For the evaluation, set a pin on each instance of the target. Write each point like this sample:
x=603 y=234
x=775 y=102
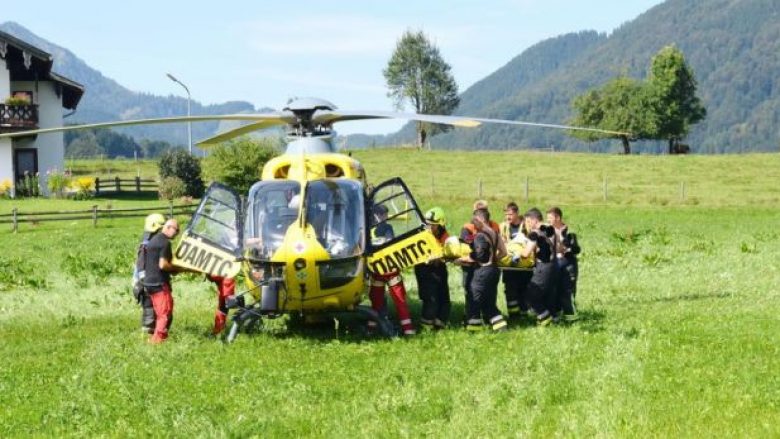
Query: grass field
x=680 y=333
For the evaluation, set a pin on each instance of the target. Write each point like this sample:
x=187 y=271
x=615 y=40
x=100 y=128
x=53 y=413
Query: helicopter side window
x=216 y=219
x=334 y=208
x=272 y=207
x=393 y=214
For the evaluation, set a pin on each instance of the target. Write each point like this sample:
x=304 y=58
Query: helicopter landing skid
x=249 y=317
x=246 y=318
x=385 y=327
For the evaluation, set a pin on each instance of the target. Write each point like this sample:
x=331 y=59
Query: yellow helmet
x=154 y=222
x=435 y=216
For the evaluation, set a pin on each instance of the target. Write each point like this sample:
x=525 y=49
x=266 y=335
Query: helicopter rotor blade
x=342 y=116
x=268 y=119
x=237 y=132
x=458 y=121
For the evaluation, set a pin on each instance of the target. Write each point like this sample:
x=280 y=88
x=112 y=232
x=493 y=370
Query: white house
x=25 y=72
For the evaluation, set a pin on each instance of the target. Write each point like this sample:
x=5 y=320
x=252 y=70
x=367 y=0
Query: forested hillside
x=106 y=100
x=732 y=45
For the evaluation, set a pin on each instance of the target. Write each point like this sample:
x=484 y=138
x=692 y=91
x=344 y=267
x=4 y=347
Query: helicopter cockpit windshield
x=271 y=207
x=334 y=208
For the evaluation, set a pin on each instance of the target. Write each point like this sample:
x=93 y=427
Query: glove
x=138 y=291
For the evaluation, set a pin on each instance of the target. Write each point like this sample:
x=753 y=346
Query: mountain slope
x=732 y=45
x=106 y=100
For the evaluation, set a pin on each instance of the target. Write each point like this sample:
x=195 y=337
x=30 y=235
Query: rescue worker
x=467 y=234
x=152 y=225
x=487 y=249
x=226 y=287
x=432 y=278
x=566 y=250
x=157 y=281
x=515 y=281
x=541 y=288
x=383 y=232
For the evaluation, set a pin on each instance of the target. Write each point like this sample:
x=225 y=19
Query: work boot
x=544 y=319
x=371 y=327
x=407 y=327
x=426 y=325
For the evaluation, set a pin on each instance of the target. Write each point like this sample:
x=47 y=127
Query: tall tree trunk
x=420 y=135
x=671 y=145
x=626 y=145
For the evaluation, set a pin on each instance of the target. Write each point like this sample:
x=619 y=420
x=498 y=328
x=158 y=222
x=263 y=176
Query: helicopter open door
x=397 y=234
x=212 y=242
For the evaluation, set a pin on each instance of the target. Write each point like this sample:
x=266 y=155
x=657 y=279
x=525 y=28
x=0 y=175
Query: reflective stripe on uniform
x=377 y=283
x=395 y=280
x=409 y=332
x=406 y=322
x=497 y=318
x=499 y=325
x=513 y=303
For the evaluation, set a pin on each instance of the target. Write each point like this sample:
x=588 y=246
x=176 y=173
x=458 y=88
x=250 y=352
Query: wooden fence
x=117 y=184
x=16 y=217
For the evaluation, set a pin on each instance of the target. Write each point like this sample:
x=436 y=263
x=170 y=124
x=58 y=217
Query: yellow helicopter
x=301 y=236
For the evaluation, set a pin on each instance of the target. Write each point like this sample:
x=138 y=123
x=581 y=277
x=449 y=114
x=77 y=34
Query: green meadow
x=679 y=335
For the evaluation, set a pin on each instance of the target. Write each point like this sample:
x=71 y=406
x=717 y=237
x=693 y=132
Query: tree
x=674 y=97
x=179 y=163
x=239 y=162
x=662 y=107
x=85 y=146
x=153 y=148
x=622 y=104
x=417 y=73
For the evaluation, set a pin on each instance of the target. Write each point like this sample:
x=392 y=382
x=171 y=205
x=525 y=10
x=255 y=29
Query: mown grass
x=679 y=336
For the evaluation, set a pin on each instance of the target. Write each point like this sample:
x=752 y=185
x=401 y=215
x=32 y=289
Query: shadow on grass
x=591 y=320
x=350 y=327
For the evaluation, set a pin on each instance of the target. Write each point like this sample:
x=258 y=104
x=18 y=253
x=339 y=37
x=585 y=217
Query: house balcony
x=18 y=117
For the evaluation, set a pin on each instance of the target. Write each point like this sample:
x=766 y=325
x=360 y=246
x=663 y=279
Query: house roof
x=39 y=68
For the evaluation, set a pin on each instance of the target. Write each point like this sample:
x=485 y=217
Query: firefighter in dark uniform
x=157 y=283
x=515 y=281
x=487 y=249
x=567 y=248
x=432 y=279
x=541 y=289
x=152 y=225
x=467 y=235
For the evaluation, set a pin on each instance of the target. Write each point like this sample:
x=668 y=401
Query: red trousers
x=398 y=292
x=226 y=287
x=162 y=302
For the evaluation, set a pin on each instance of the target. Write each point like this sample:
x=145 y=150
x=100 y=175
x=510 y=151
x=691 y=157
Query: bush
x=57 y=182
x=28 y=186
x=16 y=100
x=180 y=164
x=172 y=188
x=6 y=187
x=239 y=163
x=83 y=187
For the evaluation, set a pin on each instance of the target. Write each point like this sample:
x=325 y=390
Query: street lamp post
x=189 y=98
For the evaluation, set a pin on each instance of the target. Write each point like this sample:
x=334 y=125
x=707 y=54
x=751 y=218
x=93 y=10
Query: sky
x=267 y=52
